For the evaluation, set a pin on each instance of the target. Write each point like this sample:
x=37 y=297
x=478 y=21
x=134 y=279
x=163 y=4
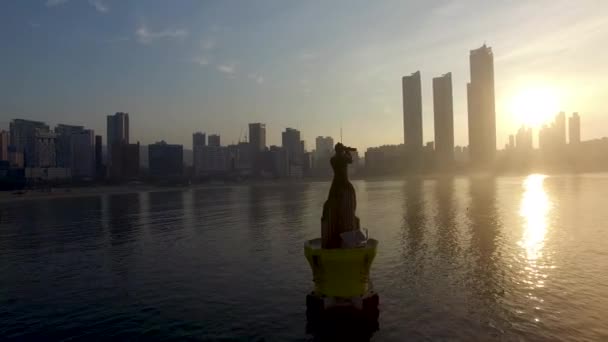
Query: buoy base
x=342 y=318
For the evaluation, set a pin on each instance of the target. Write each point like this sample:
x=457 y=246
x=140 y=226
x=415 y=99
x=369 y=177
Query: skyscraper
x=64 y=143
x=99 y=169
x=117 y=131
x=412 y=112
x=574 y=127
x=257 y=136
x=3 y=145
x=214 y=140
x=481 y=106
x=560 y=129
x=444 y=117
x=295 y=151
x=198 y=139
x=82 y=154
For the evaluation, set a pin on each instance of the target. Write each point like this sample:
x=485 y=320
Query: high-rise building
x=124 y=161
x=199 y=140
x=215 y=159
x=574 y=128
x=412 y=112
x=324 y=145
x=560 y=129
x=64 y=143
x=117 y=131
x=295 y=151
x=82 y=153
x=481 y=106
x=444 y=117
x=45 y=149
x=100 y=171
x=4 y=145
x=23 y=139
x=214 y=140
x=523 y=139
x=257 y=136
x=511 y=144
x=166 y=160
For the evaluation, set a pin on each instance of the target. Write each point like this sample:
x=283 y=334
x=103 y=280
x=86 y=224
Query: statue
x=339 y=209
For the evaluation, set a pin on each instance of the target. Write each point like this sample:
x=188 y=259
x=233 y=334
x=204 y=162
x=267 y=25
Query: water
x=520 y=258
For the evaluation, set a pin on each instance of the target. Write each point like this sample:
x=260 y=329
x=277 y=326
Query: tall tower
x=257 y=136
x=481 y=106
x=117 y=131
x=444 y=117
x=560 y=129
x=412 y=112
x=574 y=127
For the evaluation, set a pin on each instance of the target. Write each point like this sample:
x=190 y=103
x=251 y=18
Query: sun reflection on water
x=535 y=206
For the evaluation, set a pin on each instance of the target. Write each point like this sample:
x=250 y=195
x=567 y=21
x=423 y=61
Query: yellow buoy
x=340 y=272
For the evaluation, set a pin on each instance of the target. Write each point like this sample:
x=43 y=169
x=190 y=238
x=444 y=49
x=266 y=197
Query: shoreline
x=98 y=190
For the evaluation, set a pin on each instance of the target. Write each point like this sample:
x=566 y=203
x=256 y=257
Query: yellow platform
x=340 y=272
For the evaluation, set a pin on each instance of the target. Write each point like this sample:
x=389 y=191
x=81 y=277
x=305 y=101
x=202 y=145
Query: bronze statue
x=339 y=209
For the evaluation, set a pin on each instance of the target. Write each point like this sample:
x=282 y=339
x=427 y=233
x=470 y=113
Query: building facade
x=257 y=136
x=23 y=138
x=45 y=150
x=574 y=129
x=83 y=158
x=117 y=131
x=4 y=139
x=64 y=143
x=214 y=140
x=443 y=109
x=166 y=160
x=412 y=112
x=481 y=106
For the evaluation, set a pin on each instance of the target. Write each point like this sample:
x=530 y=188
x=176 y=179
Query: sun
x=535 y=106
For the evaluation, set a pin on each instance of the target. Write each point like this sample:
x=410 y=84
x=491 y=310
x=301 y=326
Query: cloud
x=227 y=68
x=53 y=3
x=259 y=79
x=146 y=36
x=33 y=24
x=202 y=61
x=99 y=5
x=208 y=44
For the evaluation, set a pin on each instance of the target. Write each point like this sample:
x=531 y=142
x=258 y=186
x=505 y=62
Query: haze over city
x=317 y=66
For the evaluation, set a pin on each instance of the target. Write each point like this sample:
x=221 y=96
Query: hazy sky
x=184 y=65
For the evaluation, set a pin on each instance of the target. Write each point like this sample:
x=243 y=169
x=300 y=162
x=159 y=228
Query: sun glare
x=535 y=106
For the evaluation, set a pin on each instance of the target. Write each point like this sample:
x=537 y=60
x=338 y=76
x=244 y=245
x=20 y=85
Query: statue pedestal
x=343 y=292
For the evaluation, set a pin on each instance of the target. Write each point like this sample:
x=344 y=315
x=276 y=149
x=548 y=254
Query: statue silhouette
x=339 y=209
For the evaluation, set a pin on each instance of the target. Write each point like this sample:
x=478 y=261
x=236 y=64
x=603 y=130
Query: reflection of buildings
x=446 y=223
x=481 y=106
x=444 y=118
x=414 y=221
x=123 y=213
x=412 y=112
x=485 y=228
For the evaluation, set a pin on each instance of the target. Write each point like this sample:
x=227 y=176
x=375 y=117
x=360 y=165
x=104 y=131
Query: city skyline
x=191 y=68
